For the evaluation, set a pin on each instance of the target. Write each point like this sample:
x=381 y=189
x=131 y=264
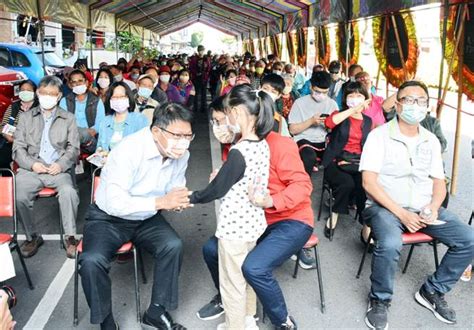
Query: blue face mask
x=413 y=114
x=144 y=92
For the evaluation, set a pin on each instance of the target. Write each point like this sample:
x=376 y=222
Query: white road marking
x=48 y=303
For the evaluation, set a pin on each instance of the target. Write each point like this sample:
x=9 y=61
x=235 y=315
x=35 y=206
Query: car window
x=20 y=60
x=4 y=57
x=50 y=58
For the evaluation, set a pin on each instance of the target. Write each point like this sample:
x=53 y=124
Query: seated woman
x=377 y=104
x=145 y=104
x=120 y=120
x=288 y=96
x=27 y=101
x=350 y=128
x=102 y=83
x=185 y=88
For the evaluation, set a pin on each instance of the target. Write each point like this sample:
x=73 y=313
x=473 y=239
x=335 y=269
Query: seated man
x=86 y=107
x=144 y=174
x=46 y=147
x=306 y=119
x=118 y=71
x=157 y=95
x=274 y=85
x=290 y=224
x=402 y=172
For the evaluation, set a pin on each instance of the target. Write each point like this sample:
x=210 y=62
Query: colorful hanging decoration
x=468 y=56
x=387 y=51
x=262 y=49
x=341 y=44
x=321 y=41
x=302 y=35
x=292 y=45
x=277 y=44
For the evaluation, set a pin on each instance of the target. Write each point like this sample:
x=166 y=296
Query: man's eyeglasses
x=177 y=136
x=421 y=101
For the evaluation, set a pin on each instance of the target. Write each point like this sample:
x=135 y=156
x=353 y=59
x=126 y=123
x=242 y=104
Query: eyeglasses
x=188 y=137
x=421 y=101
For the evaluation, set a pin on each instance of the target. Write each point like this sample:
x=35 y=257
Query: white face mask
x=223 y=133
x=413 y=114
x=353 y=102
x=118 y=77
x=165 y=78
x=47 y=102
x=176 y=148
x=26 y=96
x=120 y=105
x=80 y=89
x=103 y=82
x=278 y=72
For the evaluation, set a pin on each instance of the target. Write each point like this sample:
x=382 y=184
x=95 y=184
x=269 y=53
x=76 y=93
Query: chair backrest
x=7 y=198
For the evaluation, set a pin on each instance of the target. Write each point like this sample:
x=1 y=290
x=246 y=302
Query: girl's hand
x=265 y=201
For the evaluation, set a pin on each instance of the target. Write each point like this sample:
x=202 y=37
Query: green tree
x=197 y=38
x=128 y=42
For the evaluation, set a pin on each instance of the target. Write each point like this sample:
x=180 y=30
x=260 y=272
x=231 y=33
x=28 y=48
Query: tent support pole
x=41 y=28
x=457 y=134
x=399 y=45
x=443 y=52
x=451 y=61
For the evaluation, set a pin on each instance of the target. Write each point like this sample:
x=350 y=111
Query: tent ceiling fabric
x=257 y=17
x=246 y=19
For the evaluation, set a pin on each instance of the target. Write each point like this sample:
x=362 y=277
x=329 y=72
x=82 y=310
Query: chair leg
x=76 y=288
x=137 y=288
x=412 y=247
x=321 y=204
x=435 y=252
x=320 y=279
x=331 y=231
x=470 y=219
x=366 y=250
x=295 y=272
x=142 y=266
x=61 y=231
x=23 y=265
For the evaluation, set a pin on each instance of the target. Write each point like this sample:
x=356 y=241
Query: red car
x=9 y=87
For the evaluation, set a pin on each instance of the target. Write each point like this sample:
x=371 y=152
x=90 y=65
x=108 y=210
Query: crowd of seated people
x=379 y=156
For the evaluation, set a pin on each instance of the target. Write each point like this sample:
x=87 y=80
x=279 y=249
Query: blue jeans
x=387 y=230
x=278 y=243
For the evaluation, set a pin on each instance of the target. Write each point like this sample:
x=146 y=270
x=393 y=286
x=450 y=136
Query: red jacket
x=289 y=184
x=193 y=67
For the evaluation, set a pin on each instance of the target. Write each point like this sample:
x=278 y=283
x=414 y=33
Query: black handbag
x=348 y=162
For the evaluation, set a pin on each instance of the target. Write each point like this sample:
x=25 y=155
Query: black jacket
x=340 y=136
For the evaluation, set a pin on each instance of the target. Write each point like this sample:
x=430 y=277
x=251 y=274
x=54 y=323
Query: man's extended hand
x=412 y=221
x=39 y=168
x=177 y=198
x=54 y=169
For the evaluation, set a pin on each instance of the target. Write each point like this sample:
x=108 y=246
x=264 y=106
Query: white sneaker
x=250 y=323
x=221 y=326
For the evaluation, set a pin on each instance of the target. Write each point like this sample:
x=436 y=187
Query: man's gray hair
x=51 y=81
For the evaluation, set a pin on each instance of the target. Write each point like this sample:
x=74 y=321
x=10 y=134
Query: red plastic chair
x=313 y=243
x=411 y=239
x=125 y=248
x=46 y=193
x=8 y=210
